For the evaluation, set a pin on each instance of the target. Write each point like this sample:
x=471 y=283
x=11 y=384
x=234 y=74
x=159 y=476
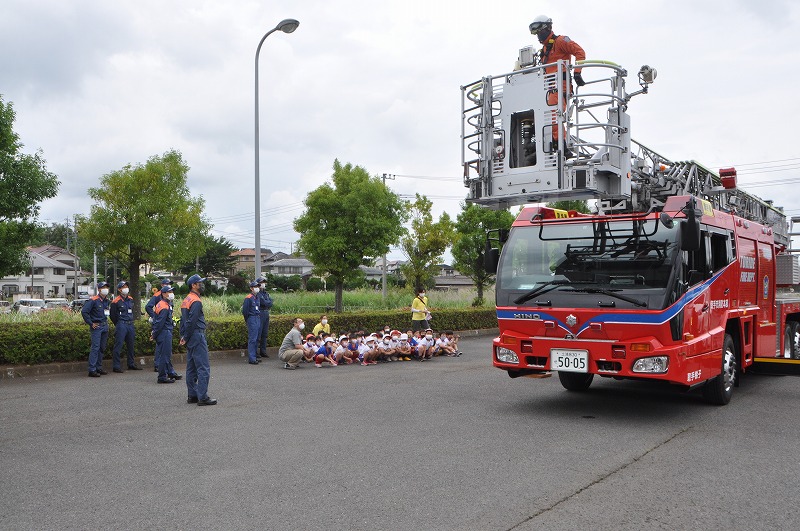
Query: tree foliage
x=24 y=183
x=216 y=258
x=578 y=205
x=468 y=250
x=425 y=243
x=144 y=213
x=347 y=223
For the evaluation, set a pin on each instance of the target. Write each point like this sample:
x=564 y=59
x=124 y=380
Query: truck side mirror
x=491 y=257
x=690 y=235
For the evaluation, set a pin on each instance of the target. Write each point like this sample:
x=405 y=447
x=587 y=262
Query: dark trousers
x=198 y=370
x=99 y=341
x=263 y=332
x=123 y=335
x=164 y=355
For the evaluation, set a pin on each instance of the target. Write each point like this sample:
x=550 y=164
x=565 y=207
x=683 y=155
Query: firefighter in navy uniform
x=193 y=335
x=150 y=307
x=252 y=318
x=151 y=304
x=264 y=306
x=121 y=313
x=557 y=48
x=162 y=335
x=95 y=313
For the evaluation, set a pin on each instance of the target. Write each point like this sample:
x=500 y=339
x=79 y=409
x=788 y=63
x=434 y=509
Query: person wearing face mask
x=193 y=335
x=265 y=305
x=121 y=313
x=404 y=348
x=385 y=350
x=310 y=346
x=426 y=343
x=252 y=318
x=162 y=335
x=291 y=349
x=151 y=304
x=419 y=311
x=322 y=326
x=95 y=313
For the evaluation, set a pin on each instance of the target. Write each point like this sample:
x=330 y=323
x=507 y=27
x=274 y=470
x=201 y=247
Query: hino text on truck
x=679 y=276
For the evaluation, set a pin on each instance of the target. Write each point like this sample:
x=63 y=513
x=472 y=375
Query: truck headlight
x=654 y=365
x=507 y=356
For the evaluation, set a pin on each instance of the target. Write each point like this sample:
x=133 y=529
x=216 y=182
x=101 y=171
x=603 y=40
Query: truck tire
x=575 y=381
x=791 y=340
x=718 y=390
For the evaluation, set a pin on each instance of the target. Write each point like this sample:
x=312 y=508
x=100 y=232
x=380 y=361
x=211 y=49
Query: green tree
x=216 y=258
x=579 y=205
x=468 y=250
x=425 y=243
x=348 y=224
x=24 y=183
x=144 y=213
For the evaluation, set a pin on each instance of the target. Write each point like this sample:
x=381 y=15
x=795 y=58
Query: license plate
x=569 y=360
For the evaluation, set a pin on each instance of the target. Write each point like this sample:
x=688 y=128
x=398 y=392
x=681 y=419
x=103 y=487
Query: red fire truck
x=677 y=276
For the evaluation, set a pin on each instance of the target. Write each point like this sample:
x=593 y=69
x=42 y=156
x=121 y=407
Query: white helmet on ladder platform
x=540 y=23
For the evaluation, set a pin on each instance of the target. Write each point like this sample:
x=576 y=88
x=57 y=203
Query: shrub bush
x=47 y=342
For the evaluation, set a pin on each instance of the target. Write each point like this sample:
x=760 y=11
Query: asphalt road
x=450 y=444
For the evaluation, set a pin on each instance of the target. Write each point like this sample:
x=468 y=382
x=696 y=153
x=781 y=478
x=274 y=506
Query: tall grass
x=298 y=302
x=360 y=300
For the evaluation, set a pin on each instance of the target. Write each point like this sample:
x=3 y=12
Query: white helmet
x=540 y=22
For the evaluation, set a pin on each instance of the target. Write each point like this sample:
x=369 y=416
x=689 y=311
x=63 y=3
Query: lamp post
x=287 y=26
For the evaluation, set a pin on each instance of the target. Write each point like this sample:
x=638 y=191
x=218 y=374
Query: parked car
x=5 y=307
x=77 y=304
x=56 y=304
x=29 y=306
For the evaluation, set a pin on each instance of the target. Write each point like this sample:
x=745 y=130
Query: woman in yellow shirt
x=322 y=326
x=419 y=311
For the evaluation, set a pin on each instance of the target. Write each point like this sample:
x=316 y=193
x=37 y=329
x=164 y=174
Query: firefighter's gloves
x=579 y=79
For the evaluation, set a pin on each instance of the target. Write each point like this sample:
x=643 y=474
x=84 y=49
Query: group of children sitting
x=384 y=346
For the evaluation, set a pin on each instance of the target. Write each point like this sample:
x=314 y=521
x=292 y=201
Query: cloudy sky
x=97 y=85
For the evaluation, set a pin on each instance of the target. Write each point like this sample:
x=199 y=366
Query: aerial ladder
x=528 y=136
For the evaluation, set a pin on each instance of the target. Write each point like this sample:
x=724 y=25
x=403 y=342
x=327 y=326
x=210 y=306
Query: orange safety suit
x=558 y=48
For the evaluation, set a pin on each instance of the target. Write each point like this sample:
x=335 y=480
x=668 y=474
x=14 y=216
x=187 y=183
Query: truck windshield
x=625 y=263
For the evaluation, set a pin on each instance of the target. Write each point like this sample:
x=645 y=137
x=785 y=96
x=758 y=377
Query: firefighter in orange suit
x=557 y=48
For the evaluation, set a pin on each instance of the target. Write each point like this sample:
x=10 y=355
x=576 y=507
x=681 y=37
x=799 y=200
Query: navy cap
x=167 y=289
x=261 y=279
x=254 y=283
x=101 y=284
x=165 y=282
x=121 y=284
x=194 y=279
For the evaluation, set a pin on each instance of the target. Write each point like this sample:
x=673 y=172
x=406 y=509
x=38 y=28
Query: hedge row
x=31 y=343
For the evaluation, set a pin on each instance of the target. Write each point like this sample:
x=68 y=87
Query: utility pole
x=65 y=285
x=76 y=262
x=385 y=288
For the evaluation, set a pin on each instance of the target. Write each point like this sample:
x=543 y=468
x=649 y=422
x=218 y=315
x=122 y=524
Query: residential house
x=290 y=266
x=449 y=278
x=69 y=260
x=45 y=278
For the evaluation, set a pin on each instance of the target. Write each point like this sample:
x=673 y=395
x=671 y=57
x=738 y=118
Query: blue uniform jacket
x=266 y=301
x=151 y=304
x=162 y=319
x=250 y=307
x=94 y=311
x=192 y=317
x=122 y=309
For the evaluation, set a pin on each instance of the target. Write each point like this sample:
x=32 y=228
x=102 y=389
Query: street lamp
x=287 y=26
